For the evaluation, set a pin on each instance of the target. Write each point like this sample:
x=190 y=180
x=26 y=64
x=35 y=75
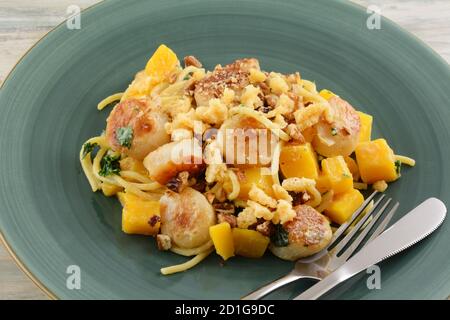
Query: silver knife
x=413 y=227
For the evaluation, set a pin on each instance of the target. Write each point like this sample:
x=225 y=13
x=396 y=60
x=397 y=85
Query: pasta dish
x=236 y=160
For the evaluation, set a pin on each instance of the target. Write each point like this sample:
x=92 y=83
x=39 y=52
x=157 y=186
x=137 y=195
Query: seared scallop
x=234 y=76
x=186 y=218
x=341 y=136
x=172 y=158
x=135 y=129
x=308 y=233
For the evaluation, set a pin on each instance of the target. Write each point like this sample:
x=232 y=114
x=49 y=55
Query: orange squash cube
x=249 y=243
x=366 y=126
x=376 y=161
x=137 y=215
x=309 y=134
x=326 y=94
x=323 y=183
x=248 y=177
x=299 y=161
x=353 y=167
x=222 y=237
x=338 y=174
x=162 y=63
x=344 y=205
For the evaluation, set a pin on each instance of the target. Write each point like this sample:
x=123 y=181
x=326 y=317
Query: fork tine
x=348 y=252
x=355 y=229
x=383 y=224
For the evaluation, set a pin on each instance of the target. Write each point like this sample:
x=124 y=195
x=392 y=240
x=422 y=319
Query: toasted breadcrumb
x=309 y=116
x=277 y=84
x=281 y=193
x=257 y=76
x=284 y=212
x=246 y=218
x=228 y=96
x=259 y=210
x=380 y=186
x=216 y=169
x=258 y=195
x=250 y=96
x=284 y=106
x=215 y=113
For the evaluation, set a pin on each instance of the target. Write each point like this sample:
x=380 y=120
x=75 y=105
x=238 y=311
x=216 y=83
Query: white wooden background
x=23 y=22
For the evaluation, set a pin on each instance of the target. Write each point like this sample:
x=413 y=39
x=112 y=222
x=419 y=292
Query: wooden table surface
x=23 y=22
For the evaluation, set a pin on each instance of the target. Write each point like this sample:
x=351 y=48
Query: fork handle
x=268 y=288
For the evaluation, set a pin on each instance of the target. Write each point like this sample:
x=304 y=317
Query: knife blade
x=413 y=227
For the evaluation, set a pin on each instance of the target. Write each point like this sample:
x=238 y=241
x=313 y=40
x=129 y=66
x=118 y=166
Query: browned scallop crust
x=341 y=136
x=309 y=233
x=147 y=125
x=234 y=76
x=168 y=160
x=186 y=218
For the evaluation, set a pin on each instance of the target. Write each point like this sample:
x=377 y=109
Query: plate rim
x=8 y=244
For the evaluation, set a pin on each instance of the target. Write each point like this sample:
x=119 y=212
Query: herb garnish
x=334 y=131
x=280 y=238
x=109 y=165
x=88 y=148
x=125 y=136
x=398 y=167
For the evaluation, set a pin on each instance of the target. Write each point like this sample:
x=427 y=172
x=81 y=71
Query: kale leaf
x=280 y=238
x=88 y=148
x=109 y=165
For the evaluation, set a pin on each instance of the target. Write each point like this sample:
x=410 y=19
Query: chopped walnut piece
x=228 y=218
x=224 y=207
x=154 y=220
x=179 y=183
x=192 y=61
x=164 y=242
x=265 y=228
x=294 y=132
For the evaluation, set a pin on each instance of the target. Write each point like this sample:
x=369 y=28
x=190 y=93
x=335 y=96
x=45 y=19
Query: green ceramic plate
x=50 y=218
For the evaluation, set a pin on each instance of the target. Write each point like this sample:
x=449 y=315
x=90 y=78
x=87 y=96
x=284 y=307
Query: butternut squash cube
x=110 y=190
x=323 y=183
x=249 y=243
x=353 y=167
x=326 y=94
x=222 y=237
x=248 y=177
x=339 y=175
x=375 y=161
x=309 y=134
x=344 y=205
x=366 y=126
x=162 y=63
x=299 y=161
x=139 y=216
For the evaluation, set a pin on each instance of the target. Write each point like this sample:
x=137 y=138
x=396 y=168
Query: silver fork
x=338 y=250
